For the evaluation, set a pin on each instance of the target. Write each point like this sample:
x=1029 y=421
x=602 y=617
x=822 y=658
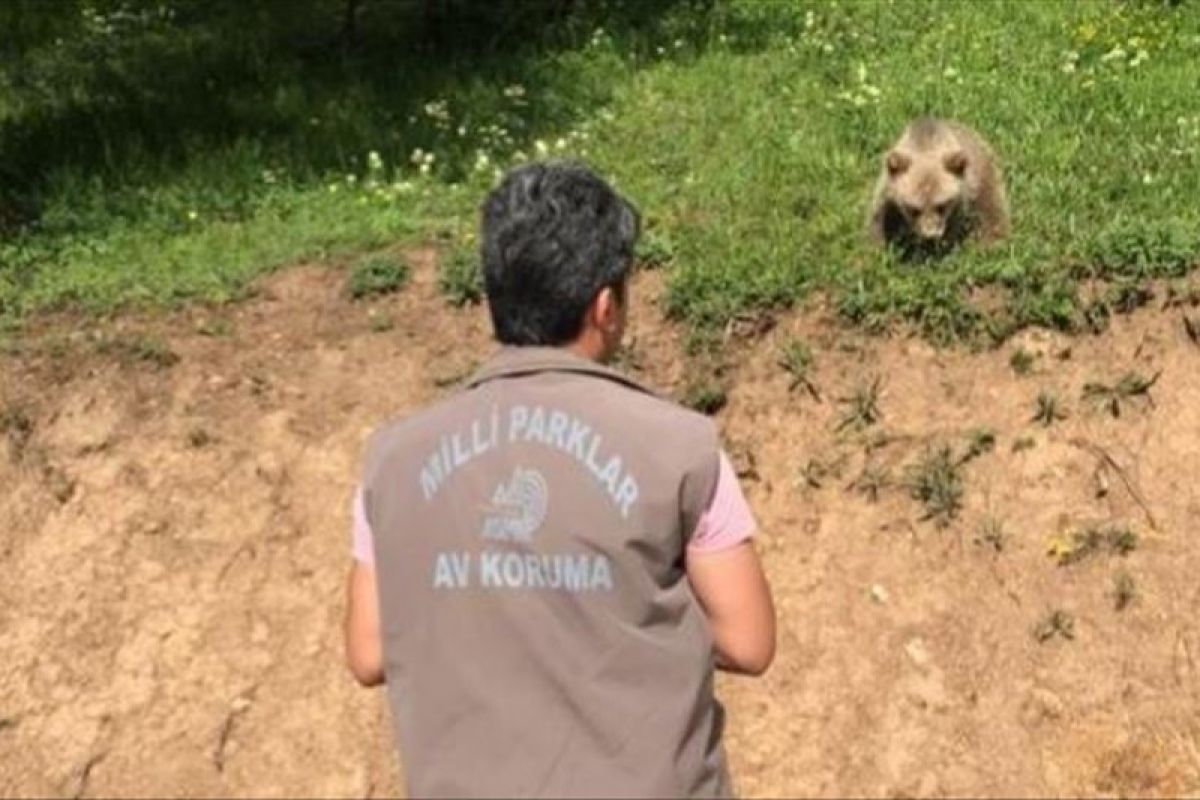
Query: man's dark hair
x=554 y=235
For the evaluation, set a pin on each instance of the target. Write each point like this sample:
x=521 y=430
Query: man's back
x=549 y=566
x=540 y=637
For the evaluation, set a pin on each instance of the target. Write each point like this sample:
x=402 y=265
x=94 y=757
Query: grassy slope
x=750 y=139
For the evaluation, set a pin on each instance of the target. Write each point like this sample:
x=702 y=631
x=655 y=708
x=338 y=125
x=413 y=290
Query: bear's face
x=927 y=189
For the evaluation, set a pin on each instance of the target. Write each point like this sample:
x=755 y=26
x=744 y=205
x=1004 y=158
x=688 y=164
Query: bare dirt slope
x=173 y=540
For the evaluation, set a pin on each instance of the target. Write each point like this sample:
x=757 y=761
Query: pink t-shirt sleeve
x=363 y=548
x=728 y=521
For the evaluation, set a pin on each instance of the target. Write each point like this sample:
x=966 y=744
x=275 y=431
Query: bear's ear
x=956 y=162
x=897 y=163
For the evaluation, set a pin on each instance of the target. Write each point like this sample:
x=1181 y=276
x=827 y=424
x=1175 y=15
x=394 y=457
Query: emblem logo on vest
x=518 y=508
x=517 y=511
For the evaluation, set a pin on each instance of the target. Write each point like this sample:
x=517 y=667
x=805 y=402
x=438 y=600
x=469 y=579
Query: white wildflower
x=374 y=161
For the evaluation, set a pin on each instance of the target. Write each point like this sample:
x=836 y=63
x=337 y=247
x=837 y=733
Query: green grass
x=936 y=482
x=377 y=275
x=796 y=359
x=748 y=132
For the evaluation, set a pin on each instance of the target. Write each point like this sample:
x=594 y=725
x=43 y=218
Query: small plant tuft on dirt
x=216 y=327
x=1131 y=385
x=873 y=479
x=1048 y=410
x=706 y=396
x=796 y=358
x=1192 y=328
x=139 y=347
x=460 y=278
x=377 y=275
x=702 y=341
x=1121 y=539
x=936 y=482
x=992 y=534
x=199 y=437
x=17 y=427
x=1056 y=624
x=979 y=442
x=816 y=471
x=1091 y=540
x=1021 y=361
x=862 y=406
x=1124 y=590
x=1023 y=443
x=380 y=323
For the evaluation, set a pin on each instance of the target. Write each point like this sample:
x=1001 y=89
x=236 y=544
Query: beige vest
x=540 y=636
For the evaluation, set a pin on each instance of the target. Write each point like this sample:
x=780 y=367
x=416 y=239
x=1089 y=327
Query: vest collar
x=515 y=362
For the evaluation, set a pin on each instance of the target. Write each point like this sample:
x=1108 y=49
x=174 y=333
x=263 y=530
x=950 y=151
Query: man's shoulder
x=661 y=417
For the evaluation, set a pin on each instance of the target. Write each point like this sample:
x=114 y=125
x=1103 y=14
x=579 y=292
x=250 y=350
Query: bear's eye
x=912 y=210
x=942 y=208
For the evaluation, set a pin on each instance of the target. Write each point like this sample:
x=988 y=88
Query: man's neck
x=586 y=347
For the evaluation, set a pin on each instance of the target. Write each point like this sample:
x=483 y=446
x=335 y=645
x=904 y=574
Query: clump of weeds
x=1091 y=540
x=1124 y=591
x=1048 y=409
x=816 y=471
x=142 y=348
x=379 y=323
x=377 y=275
x=1057 y=624
x=460 y=277
x=1023 y=443
x=1192 y=328
x=873 y=479
x=1131 y=385
x=17 y=427
x=862 y=406
x=979 y=442
x=936 y=482
x=796 y=359
x=199 y=437
x=1021 y=361
x=705 y=395
x=992 y=534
